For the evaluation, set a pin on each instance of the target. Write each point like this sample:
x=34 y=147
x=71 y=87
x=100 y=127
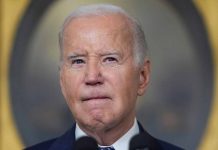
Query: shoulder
x=168 y=146
x=155 y=143
x=42 y=146
x=65 y=141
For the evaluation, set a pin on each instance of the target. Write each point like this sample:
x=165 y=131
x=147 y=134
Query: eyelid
x=75 y=56
x=111 y=55
x=71 y=59
x=110 y=59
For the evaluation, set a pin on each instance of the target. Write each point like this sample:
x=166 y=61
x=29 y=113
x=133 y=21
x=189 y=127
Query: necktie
x=106 y=148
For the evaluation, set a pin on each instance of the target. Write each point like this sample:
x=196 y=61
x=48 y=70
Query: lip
x=95 y=98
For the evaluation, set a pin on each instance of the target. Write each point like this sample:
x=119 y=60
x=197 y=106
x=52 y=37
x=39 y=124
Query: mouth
x=95 y=98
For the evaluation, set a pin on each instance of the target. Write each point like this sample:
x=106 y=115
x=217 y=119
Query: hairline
x=139 y=48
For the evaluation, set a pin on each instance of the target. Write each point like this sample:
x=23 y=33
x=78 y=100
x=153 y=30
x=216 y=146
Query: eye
x=78 y=61
x=110 y=59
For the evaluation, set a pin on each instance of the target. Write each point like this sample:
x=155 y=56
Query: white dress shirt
x=122 y=143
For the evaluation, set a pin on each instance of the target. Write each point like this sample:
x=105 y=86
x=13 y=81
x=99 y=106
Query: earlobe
x=144 y=77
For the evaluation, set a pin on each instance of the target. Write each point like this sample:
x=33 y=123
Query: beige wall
x=209 y=10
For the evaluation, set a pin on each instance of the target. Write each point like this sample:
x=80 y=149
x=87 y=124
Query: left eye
x=110 y=59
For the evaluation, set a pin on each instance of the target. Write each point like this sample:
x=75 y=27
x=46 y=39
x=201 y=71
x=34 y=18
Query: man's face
x=99 y=77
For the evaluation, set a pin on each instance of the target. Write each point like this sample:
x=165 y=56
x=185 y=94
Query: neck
x=108 y=135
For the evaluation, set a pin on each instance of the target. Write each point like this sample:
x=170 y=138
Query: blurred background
x=180 y=105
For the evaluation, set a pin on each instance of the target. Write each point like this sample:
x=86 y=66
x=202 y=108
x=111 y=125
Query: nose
x=93 y=75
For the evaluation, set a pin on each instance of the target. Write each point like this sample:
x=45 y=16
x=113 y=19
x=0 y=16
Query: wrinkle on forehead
x=120 y=19
x=114 y=23
x=99 y=33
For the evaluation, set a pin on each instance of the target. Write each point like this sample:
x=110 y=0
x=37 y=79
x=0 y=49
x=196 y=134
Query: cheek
x=124 y=84
x=71 y=85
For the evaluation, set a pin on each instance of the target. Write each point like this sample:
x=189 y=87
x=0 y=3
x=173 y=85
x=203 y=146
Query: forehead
x=113 y=20
x=96 y=34
x=103 y=25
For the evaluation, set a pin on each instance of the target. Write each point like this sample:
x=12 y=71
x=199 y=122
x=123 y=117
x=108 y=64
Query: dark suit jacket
x=67 y=142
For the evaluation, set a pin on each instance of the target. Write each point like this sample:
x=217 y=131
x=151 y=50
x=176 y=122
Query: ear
x=144 y=77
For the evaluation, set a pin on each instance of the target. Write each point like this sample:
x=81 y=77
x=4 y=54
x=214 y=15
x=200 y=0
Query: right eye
x=77 y=61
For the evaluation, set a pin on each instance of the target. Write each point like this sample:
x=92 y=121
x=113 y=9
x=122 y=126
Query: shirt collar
x=122 y=143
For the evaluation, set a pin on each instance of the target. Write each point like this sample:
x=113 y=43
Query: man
x=103 y=69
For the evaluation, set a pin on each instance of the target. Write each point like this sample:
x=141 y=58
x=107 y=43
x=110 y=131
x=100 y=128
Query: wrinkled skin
x=99 y=77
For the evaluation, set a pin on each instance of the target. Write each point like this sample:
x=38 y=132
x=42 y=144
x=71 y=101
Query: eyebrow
x=110 y=53
x=74 y=55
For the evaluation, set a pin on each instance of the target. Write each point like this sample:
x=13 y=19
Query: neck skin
x=108 y=136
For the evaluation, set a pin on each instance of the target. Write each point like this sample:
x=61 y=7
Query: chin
x=99 y=124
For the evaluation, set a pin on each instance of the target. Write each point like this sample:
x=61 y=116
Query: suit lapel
x=66 y=141
x=153 y=143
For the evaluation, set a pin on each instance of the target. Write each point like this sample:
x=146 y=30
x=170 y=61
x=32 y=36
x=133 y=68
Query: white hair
x=139 y=47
